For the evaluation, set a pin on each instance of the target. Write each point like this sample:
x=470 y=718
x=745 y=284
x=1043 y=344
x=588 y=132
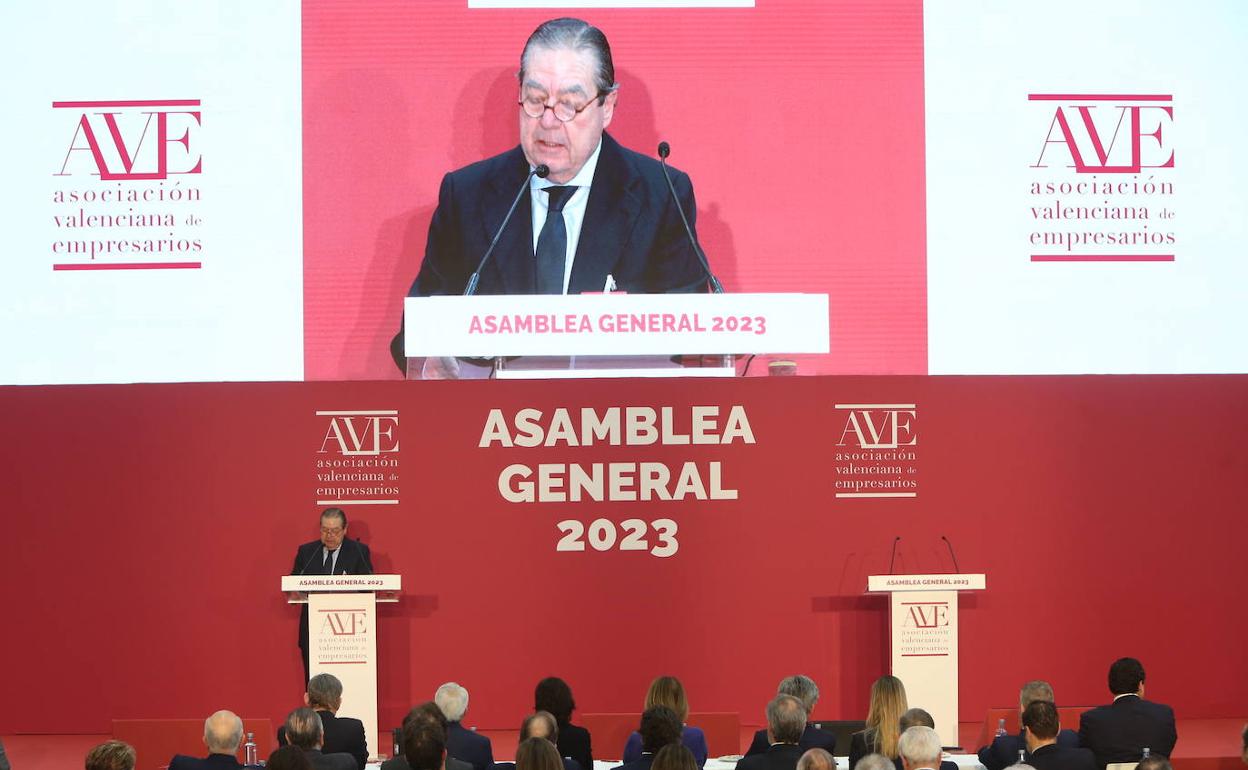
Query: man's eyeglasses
x=334 y=531
x=535 y=107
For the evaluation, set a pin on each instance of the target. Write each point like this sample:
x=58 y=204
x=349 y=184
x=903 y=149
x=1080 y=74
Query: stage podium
x=342 y=635
x=923 y=619
x=605 y=335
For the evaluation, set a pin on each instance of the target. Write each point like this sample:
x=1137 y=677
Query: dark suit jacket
x=210 y=762
x=464 y=744
x=322 y=761
x=1003 y=751
x=637 y=764
x=400 y=763
x=812 y=738
x=691 y=738
x=342 y=735
x=568 y=764
x=1122 y=730
x=574 y=742
x=782 y=756
x=309 y=560
x=1055 y=757
x=631 y=231
x=859 y=747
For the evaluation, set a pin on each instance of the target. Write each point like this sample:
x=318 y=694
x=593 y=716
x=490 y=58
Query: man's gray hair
x=304 y=729
x=874 y=762
x=816 y=759
x=920 y=746
x=786 y=719
x=575 y=35
x=223 y=732
x=452 y=699
x=801 y=687
x=325 y=691
x=1037 y=689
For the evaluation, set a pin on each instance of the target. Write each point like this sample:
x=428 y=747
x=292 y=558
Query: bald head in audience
x=223 y=733
x=816 y=759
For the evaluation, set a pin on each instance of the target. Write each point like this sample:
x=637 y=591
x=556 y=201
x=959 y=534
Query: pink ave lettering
x=339 y=623
x=1074 y=128
x=117 y=154
x=880 y=428
x=928 y=615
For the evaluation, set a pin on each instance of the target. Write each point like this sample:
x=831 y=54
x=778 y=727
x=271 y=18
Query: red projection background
x=157 y=519
x=801 y=125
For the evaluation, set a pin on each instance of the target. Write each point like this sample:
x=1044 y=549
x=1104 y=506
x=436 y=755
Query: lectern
x=923 y=618
x=342 y=635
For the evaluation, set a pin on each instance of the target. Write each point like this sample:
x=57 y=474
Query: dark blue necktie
x=552 y=243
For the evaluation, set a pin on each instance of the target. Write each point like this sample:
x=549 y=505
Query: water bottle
x=1000 y=727
x=1022 y=753
x=398 y=737
x=250 y=757
x=1145 y=752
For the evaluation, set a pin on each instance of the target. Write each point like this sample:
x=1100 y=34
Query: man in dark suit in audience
x=919 y=717
x=342 y=734
x=786 y=721
x=1003 y=751
x=659 y=727
x=427 y=712
x=919 y=747
x=1040 y=729
x=804 y=689
x=462 y=743
x=424 y=745
x=223 y=733
x=1122 y=730
x=304 y=730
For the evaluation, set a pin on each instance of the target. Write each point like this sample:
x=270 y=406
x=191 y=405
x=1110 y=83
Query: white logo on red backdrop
x=357 y=461
x=875 y=455
x=128 y=195
x=1102 y=182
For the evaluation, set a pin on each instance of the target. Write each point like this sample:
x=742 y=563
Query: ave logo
x=927 y=614
x=1106 y=133
x=344 y=623
x=878 y=426
x=360 y=433
x=131 y=140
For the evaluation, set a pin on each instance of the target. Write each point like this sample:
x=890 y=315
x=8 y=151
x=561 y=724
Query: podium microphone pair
x=542 y=171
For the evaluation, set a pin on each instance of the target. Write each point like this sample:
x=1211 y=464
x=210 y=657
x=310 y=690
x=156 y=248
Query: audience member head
x=659 y=727
x=1037 y=689
x=1126 y=677
x=537 y=754
x=288 y=758
x=1154 y=762
x=540 y=724
x=324 y=693
x=888 y=703
x=816 y=759
x=874 y=762
x=424 y=744
x=915 y=716
x=223 y=732
x=667 y=691
x=428 y=711
x=553 y=694
x=919 y=746
x=1244 y=738
x=674 y=757
x=304 y=729
x=113 y=755
x=1040 y=723
x=1020 y=766
x=453 y=700
x=801 y=687
x=786 y=719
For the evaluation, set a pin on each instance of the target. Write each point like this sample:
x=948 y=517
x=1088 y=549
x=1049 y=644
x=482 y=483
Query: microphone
x=893 y=558
x=951 y=553
x=665 y=149
x=541 y=172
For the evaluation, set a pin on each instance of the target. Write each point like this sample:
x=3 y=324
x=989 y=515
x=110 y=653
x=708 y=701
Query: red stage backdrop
x=149 y=525
x=800 y=123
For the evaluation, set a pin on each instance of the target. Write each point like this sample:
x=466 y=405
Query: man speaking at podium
x=603 y=218
x=333 y=554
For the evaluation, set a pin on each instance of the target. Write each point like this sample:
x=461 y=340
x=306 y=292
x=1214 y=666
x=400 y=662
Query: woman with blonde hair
x=888 y=703
x=668 y=691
